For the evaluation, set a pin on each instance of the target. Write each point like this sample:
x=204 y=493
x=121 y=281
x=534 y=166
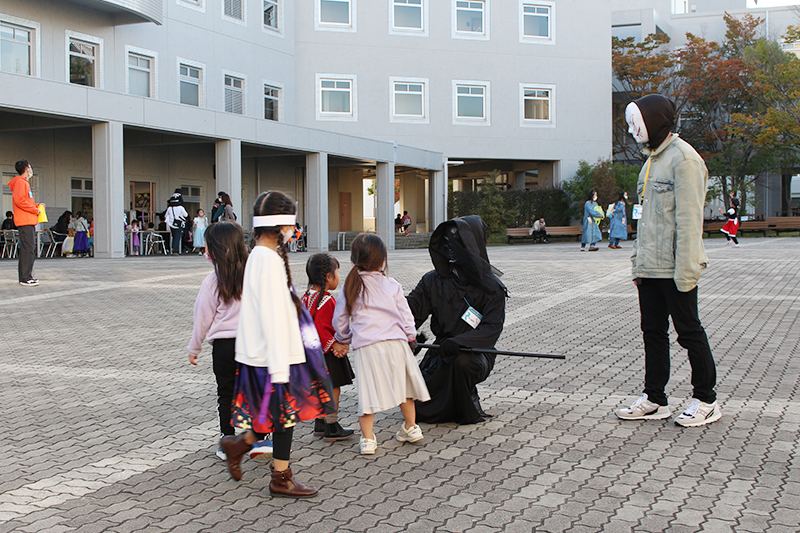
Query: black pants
x=540 y=234
x=27 y=252
x=223 y=356
x=658 y=300
x=177 y=235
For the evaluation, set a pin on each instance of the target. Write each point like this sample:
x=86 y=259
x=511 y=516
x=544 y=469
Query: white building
x=118 y=102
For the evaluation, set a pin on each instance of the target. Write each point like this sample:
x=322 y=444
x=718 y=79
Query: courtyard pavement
x=108 y=427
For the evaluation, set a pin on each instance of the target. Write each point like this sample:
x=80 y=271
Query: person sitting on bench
x=539 y=231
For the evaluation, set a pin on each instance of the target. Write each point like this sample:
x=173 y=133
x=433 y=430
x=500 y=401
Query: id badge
x=637 y=211
x=472 y=317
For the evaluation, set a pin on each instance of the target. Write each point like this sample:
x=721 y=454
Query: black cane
x=500 y=352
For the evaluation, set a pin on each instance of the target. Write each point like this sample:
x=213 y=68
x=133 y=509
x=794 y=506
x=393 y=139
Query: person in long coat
x=466 y=302
x=618 y=228
x=591 y=219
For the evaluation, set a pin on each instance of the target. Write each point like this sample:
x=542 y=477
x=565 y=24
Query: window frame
x=335 y=26
x=410 y=119
x=334 y=115
x=533 y=122
x=280 y=87
x=474 y=121
x=98 y=59
x=278 y=30
x=201 y=97
x=532 y=39
x=238 y=76
x=36 y=41
x=197 y=5
x=470 y=35
x=242 y=21
x=153 y=57
x=421 y=32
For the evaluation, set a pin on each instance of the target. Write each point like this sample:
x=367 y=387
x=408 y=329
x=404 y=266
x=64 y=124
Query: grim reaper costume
x=466 y=302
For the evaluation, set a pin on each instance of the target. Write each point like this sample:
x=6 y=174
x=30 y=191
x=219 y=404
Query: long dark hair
x=591 y=194
x=226 y=199
x=318 y=267
x=622 y=198
x=275 y=203
x=368 y=254
x=225 y=246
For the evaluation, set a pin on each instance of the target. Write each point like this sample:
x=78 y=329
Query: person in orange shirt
x=26 y=216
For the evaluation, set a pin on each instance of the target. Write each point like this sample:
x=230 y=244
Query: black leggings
x=282 y=444
x=729 y=237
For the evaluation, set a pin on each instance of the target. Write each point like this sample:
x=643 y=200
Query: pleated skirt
x=386 y=375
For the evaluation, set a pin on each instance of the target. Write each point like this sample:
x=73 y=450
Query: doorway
x=142 y=193
x=344 y=211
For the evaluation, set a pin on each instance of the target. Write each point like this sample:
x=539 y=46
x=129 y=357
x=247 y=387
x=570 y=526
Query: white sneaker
x=699 y=414
x=728 y=243
x=221 y=454
x=368 y=446
x=736 y=245
x=412 y=434
x=643 y=409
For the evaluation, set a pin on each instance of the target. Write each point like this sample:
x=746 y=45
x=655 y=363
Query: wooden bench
x=713 y=227
x=552 y=231
x=779 y=224
x=631 y=232
x=754 y=226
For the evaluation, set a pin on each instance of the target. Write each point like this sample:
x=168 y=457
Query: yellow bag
x=42 y=213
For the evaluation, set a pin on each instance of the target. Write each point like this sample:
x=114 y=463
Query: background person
x=591 y=223
x=26 y=216
x=539 y=230
x=618 y=228
x=8 y=223
x=226 y=209
x=176 y=216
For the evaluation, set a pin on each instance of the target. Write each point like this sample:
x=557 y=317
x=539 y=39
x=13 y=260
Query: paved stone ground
x=108 y=428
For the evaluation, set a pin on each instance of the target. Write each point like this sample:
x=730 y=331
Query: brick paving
x=108 y=428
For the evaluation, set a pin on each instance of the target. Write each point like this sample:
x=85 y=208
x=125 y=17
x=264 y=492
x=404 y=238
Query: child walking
x=281 y=377
x=323 y=276
x=732 y=225
x=373 y=315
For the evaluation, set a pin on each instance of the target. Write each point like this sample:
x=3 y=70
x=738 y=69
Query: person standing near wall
x=26 y=216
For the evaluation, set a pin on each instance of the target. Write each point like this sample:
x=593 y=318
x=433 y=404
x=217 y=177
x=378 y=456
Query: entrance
x=82 y=199
x=142 y=193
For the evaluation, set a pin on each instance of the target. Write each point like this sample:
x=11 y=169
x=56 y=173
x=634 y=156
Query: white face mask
x=287 y=234
x=636 y=126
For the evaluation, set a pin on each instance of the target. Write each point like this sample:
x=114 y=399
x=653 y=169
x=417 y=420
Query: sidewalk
x=108 y=428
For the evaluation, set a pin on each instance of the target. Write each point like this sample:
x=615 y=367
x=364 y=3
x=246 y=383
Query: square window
x=537 y=105
x=470 y=102
x=470 y=16
x=140 y=74
x=233 y=9
x=334 y=12
x=234 y=95
x=336 y=97
x=16 y=49
x=409 y=99
x=537 y=22
x=271 y=14
x=271 y=102
x=76 y=185
x=407 y=14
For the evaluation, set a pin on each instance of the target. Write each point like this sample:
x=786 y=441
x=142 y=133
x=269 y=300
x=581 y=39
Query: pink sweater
x=213 y=318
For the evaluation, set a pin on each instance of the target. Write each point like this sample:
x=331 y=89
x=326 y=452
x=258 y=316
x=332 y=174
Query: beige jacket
x=669 y=236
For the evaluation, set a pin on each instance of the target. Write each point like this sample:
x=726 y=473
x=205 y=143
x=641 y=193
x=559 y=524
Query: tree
x=605 y=177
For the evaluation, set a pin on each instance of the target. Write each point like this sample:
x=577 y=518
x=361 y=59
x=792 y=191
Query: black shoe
x=319 y=427
x=335 y=431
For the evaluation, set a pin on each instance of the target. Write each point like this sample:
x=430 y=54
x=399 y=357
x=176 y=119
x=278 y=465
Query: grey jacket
x=669 y=237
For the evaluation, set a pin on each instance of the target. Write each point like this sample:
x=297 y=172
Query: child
x=732 y=225
x=135 y=236
x=81 y=229
x=373 y=314
x=216 y=317
x=323 y=275
x=281 y=377
x=199 y=225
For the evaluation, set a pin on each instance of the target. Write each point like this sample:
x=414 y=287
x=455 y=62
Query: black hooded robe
x=445 y=296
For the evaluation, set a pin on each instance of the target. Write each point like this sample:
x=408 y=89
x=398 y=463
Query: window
x=272 y=97
x=407 y=15
x=470 y=102
x=233 y=9
x=16 y=49
x=271 y=14
x=409 y=100
x=190 y=84
x=470 y=19
x=141 y=72
x=197 y=5
x=84 y=62
x=336 y=97
x=536 y=22
x=336 y=15
x=234 y=95
x=537 y=105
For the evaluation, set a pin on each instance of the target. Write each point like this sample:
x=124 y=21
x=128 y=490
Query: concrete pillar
x=384 y=218
x=519 y=180
x=229 y=178
x=317 y=201
x=108 y=180
x=438 y=197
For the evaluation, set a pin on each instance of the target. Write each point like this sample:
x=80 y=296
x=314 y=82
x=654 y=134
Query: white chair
x=152 y=243
x=10 y=243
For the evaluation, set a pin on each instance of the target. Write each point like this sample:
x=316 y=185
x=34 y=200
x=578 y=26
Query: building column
x=317 y=202
x=438 y=197
x=108 y=196
x=519 y=180
x=229 y=176
x=384 y=217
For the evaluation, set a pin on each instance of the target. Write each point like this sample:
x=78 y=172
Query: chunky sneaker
x=221 y=454
x=368 y=446
x=261 y=450
x=643 y=409
x=29 y=283
x=412 y=434
x=699 y=414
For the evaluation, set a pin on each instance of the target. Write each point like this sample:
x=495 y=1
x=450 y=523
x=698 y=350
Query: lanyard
x=646 y=175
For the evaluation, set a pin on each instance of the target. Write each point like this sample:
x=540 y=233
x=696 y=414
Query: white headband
x=274 y=220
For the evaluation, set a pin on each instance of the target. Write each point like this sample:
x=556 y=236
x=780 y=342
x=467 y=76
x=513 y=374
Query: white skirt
x=386 y=375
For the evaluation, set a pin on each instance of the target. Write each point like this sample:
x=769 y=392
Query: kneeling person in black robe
x=466 y=302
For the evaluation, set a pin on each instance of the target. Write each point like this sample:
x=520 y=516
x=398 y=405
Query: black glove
x=414 y=348
x=450 y=348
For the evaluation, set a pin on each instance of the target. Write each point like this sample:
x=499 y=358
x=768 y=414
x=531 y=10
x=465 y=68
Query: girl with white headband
x=281 y=374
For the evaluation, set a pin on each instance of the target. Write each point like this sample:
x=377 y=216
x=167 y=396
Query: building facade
x=116 y=103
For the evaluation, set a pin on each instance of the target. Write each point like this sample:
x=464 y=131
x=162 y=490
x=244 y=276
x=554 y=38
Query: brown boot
x=283 y=484
x=235 y=448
